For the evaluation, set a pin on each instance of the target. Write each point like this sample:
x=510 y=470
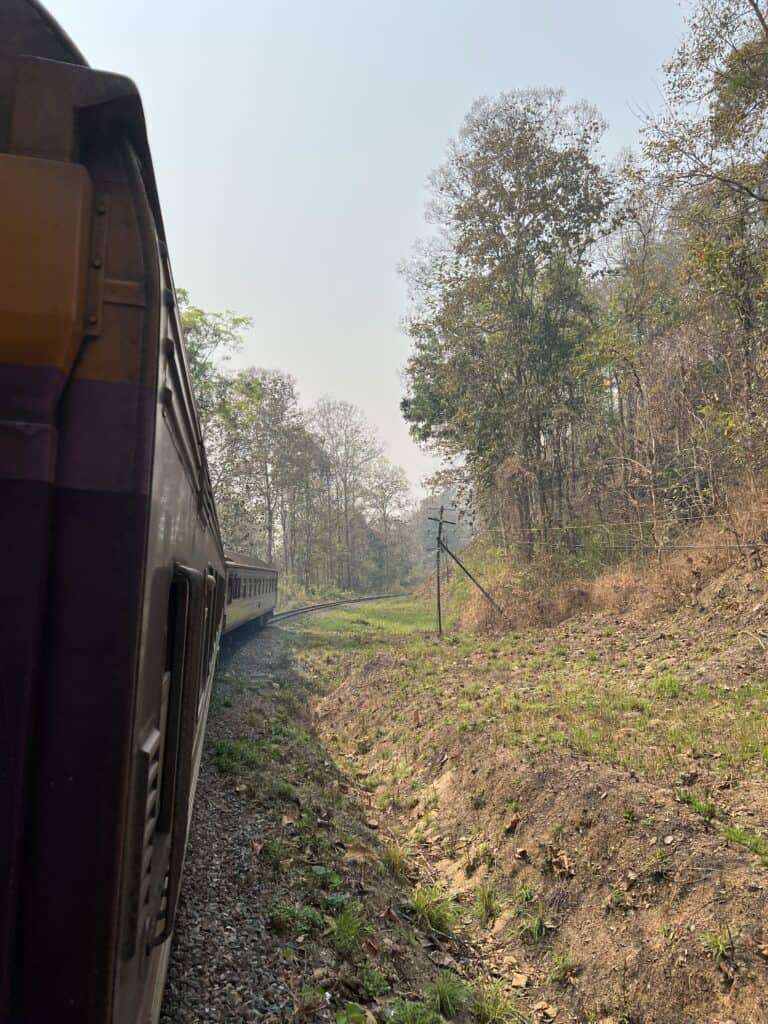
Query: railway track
x=295 y=612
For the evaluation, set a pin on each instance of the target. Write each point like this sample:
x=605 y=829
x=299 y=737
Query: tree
x=500 y=300
x=387 y=500
x=210 y=339
x=715 y=127
x=351 y=448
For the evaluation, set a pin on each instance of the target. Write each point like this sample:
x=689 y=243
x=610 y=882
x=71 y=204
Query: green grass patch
x=719 y=945
x=397 y=862
x=448 y=994
x=493 y=1003
x=563 y=966
x=667 y=685
x=533 y=922
x=746 y=837
x=435 y=908
x=702 y=805
x=231 y=756
x=371 y=981
x=405 y=1011
x=658 y=865
x=487 y=905
x=286 y=919
x=350 y=929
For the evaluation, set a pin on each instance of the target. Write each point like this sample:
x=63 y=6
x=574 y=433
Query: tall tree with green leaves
x=501 y=304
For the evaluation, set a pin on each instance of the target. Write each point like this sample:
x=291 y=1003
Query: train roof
x=237 y=561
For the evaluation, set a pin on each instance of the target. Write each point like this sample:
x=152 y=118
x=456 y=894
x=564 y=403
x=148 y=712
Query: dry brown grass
x=641 y=591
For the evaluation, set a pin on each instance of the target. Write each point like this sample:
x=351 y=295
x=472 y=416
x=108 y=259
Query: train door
x=165 y=774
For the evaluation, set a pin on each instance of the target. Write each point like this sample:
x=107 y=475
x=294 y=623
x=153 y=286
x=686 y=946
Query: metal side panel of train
x=251 y=592
x=114 y=583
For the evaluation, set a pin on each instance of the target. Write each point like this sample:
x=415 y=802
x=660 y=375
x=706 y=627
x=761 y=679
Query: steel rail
x=295 y=612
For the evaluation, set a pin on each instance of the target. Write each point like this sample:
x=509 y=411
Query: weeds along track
x=292 y=909
x=326 y=606
x=591 y=797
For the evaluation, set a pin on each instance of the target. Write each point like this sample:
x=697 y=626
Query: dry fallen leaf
x=545 y=1010
x=359 y=853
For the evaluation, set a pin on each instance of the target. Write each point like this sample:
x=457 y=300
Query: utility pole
x=465 y=570
x=440 y=523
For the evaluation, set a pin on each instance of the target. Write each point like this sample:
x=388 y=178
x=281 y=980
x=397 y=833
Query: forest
x=308 y=489
x=589 y=335
x=588 y=345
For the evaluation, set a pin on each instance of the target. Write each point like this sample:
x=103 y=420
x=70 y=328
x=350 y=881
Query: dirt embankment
x=600 y=786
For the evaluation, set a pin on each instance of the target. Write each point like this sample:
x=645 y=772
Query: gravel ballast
x=225 y=964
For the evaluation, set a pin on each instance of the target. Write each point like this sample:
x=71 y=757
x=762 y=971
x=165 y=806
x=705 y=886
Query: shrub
x=407 y=1012
x=435 y=908
x=350 y=929
x=487 y=905
x=448 y=994
x=493 y=1004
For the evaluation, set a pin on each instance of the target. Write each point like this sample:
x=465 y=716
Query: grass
x=702 y=805
x=397 y=862
x=563 y=965
x=650 y=723
x=487 y=906
x=476 y=857
x=493 y=1004
x=312 y=998
x=448 y=994
x=231 y=756
x=295 y=921
x=658 y=865
x=371 y=981
x=719 y=945
x=435 y=908
x=667 y=686
x=523 y=894
x=746 y=837
x=282 y=791
x=274 y=853
x=533 y=922
x=405 y=1011
x=350 y=929
x=398 y=616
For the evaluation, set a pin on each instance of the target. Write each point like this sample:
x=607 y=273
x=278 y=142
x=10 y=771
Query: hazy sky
x=292 y=142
